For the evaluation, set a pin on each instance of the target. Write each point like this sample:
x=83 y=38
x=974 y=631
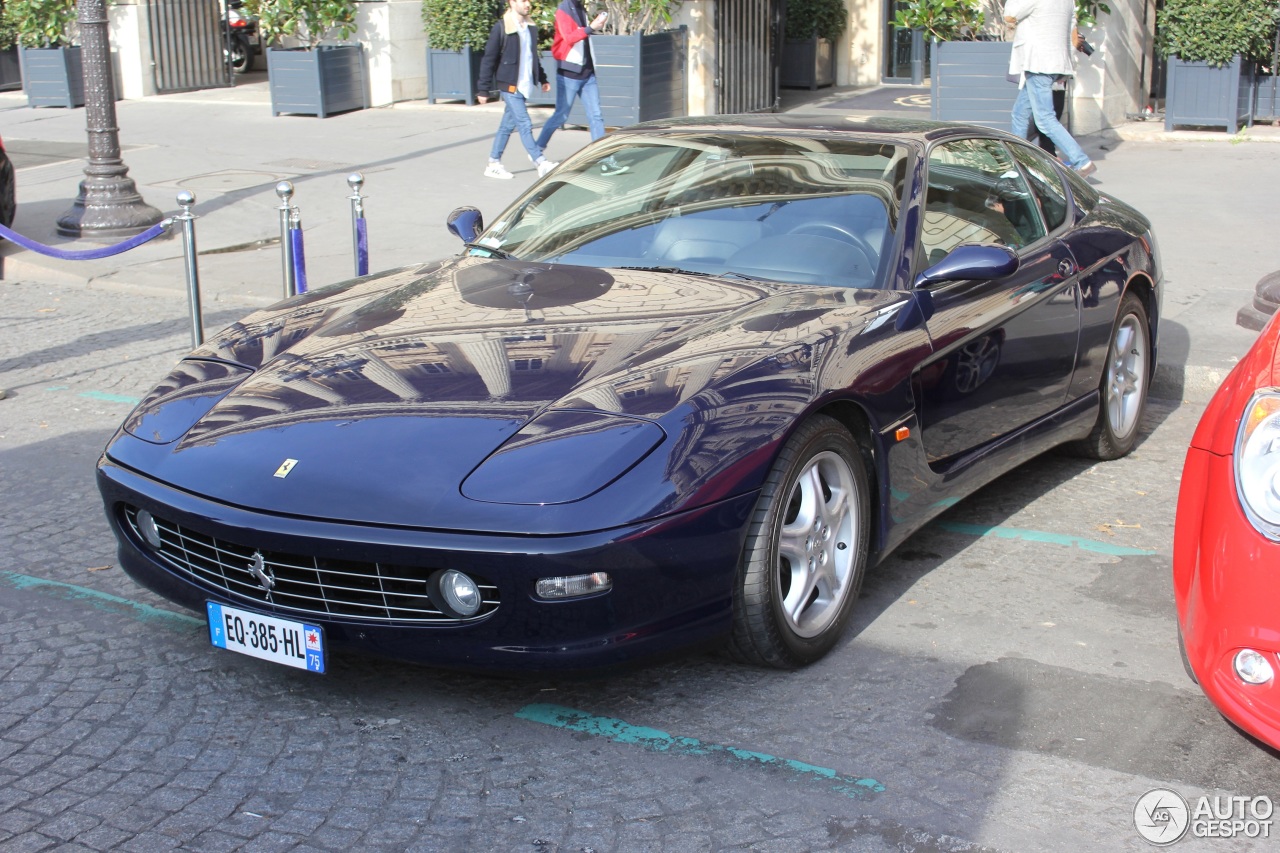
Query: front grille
x=312 y=586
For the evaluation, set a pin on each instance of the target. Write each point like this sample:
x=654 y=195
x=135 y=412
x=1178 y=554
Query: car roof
x=901 y=129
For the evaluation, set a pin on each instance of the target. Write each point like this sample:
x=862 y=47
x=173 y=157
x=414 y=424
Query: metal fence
x=748 y=45
x=186 y=43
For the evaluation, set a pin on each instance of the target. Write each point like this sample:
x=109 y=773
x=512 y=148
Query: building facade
x=734 y=47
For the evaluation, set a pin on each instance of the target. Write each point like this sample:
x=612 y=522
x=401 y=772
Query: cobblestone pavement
x=1012 y=682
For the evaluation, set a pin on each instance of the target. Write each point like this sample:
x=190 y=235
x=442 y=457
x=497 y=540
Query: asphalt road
x=1012 y=682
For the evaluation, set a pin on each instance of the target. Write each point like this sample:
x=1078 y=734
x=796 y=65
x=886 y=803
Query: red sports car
x=1227 y=545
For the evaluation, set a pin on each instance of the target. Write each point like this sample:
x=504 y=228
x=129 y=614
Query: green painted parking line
x=100 y=600
x=110 y=398
x=620 y=731
x=99 y=395
x=1043 y=536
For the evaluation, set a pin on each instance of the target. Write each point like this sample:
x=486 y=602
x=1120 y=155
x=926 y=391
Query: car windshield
x=783 y=208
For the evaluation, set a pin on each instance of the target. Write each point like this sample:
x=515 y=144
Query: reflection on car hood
x=394 y=388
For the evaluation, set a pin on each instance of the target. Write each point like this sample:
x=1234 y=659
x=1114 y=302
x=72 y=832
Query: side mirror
x=971 y=261
x=466 y=223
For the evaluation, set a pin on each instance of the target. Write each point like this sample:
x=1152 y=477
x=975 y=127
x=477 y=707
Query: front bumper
x=1227 y=596
x=672 y=579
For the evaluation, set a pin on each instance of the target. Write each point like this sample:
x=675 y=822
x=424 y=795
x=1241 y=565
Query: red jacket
x=569 y=46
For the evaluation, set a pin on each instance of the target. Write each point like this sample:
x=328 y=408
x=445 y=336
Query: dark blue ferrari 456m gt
x=690 y=400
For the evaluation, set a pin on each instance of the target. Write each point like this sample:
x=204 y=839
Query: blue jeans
x=1036 y=99
x=567 y=89
x=515 y=117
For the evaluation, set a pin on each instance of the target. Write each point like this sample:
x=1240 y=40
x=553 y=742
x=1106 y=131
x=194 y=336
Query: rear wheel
x=1124 y=384
x=241 y=54
x=806 y=550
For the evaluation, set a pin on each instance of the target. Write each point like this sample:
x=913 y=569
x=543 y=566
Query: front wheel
x=806 y=550
x=1124 y=384
x=241 y=57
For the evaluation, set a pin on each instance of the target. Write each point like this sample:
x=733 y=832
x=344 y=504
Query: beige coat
x=1042 y=36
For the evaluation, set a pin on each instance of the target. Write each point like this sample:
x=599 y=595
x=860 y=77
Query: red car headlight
x=1257 y=461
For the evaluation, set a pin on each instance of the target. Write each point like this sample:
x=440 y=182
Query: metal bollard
x=186 y=199
x=284 y=190
x=359 y=234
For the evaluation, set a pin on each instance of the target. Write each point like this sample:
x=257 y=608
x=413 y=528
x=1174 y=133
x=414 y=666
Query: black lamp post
x=109 y=204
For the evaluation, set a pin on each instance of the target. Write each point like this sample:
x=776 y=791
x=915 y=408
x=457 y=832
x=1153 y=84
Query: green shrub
x=308 y=20
x=1214 y=31
x=627 y=17
x=41 y=23
x=454 y=24
x=1087 y=12
x=942 y=20
x=825 y=19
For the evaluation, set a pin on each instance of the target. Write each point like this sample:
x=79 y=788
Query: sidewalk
x=420 y=161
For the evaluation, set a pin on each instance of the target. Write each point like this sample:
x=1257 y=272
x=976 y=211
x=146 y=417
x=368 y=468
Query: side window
x=976 y=194
x=1046 y=183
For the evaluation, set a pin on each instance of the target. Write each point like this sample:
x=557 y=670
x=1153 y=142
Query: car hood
x=374 y=400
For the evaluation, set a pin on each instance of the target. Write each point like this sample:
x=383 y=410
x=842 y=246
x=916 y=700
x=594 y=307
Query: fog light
x=572 y=587
x=147 y=527
x=1252 y=667
x=460 y=593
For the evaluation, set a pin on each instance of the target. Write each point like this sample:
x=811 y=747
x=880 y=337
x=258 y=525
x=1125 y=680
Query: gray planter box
x=641 y=78
x=452 y=75
x=1266 y=100
x=53 y=76
x=970 y=83
x=322 y=81
x=10 y=69
x=808 y=63
x=1204 y=95
x=541 y=98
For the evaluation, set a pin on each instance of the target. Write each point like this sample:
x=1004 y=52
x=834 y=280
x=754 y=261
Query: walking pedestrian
x=1059 y=99
x=512 y=65
x=576 y=74
x=1042 y=53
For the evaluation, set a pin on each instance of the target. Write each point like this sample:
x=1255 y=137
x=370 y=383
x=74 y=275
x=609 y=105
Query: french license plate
x=283 y=641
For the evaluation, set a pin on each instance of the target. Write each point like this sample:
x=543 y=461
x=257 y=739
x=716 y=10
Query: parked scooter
x=241 y=43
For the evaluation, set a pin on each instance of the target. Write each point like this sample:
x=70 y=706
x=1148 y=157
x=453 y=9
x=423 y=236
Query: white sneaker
x=497 y=170
x=546 y=166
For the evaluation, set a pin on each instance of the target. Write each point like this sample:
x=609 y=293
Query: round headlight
x=1257 y=460
x=147 y=527
x=460 y=593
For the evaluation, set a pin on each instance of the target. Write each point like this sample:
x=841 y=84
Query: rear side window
x=1046 y=183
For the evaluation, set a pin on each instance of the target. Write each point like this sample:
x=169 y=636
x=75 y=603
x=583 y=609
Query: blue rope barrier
x=87 y=254
x=362 y=247
x=299 y=260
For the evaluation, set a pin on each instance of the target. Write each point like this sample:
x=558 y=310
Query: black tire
x=8 y=192
x=1186 y=661
x=241 y=55
x=1124 y=386
x=799 y=541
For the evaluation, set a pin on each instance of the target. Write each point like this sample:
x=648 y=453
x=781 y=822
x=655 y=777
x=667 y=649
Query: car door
x=1004 y=350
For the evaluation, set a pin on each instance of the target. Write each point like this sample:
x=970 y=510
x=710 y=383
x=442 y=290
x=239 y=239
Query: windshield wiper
x=676 y=270
x=744 y=276
x=726 y=274
x=493 y=251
